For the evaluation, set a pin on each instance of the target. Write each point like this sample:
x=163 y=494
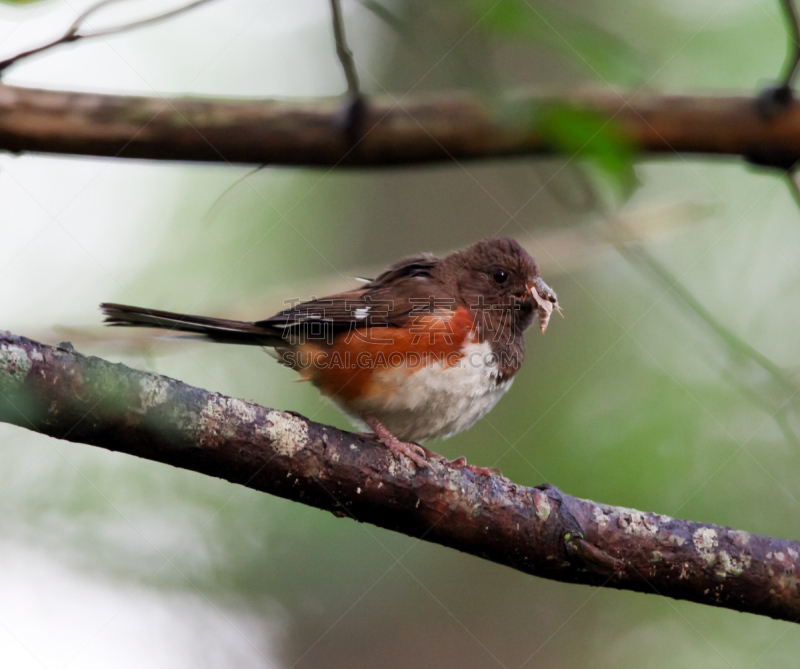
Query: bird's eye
x=500 y=275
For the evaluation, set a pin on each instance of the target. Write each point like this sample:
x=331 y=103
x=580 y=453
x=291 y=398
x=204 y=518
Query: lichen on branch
x=540 y=531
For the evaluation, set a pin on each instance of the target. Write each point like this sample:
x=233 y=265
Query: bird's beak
x=545 y=300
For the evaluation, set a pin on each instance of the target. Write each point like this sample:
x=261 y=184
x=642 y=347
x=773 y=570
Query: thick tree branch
x=540 y=531
x=411 y=131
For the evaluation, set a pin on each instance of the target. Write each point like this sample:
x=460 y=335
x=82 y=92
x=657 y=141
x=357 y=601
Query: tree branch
x=793 y=51
x=435 y=128
x=540 y=531
x=343 y=52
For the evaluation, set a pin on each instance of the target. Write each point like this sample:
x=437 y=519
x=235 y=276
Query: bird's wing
x=390 y=300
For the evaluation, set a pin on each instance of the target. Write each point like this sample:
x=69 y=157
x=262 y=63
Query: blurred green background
x=633 y=399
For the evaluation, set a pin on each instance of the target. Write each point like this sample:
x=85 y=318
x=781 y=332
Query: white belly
x=436 y=401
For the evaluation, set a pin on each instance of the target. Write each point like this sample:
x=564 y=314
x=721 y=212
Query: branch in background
x=739 y=349
x=540 y=531
x=737 y=346
x=73 y=33
x=355 y=113
x=794 y=186
x=424 y=129
x=343 y=51
x=792 y=64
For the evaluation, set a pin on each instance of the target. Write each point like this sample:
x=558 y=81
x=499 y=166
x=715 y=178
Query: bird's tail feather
x=217 y=329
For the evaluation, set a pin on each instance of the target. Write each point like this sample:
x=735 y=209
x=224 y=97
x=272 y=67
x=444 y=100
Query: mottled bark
x=540 y=531
x=413 y=130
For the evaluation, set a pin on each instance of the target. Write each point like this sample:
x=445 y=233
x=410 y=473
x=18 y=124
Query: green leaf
x=604 y=55
x=593 y=137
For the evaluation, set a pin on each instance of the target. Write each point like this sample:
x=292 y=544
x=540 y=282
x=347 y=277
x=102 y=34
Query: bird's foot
x=432 y=455
x=461 y=463
x=414 y=451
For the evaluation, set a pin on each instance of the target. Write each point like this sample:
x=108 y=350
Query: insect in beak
x=545 y=300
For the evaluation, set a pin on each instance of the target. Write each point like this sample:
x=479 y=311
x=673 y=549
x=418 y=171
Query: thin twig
x=73 y=35
x=738 y=347
x=356 y=109
x=343 y=51
x=794 y=186
x=792 y=64
x=210 y=211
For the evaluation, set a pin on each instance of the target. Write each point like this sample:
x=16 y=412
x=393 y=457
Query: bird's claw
x=461 y=463
x=413 y=451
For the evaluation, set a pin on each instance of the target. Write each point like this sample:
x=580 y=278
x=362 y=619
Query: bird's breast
x=422 y=382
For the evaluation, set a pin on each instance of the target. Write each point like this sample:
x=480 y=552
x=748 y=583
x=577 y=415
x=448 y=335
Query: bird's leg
x=432 y=455
x=420 y=454
x=461 y=463
x=414 y=451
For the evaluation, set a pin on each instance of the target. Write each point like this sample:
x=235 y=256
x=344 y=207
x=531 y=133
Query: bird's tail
x=215 y=329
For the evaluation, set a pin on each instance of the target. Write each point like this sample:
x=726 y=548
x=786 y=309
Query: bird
x=422 y=351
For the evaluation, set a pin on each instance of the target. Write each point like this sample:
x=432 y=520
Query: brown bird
x=422 y=351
